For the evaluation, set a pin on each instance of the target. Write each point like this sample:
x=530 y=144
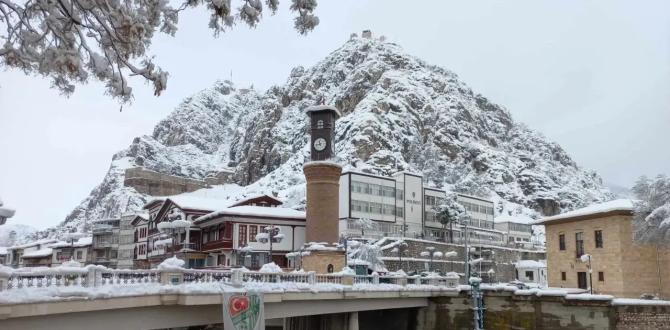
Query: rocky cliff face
x=399 y=113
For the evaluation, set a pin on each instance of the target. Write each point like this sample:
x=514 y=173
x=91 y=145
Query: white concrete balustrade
x=98 y=276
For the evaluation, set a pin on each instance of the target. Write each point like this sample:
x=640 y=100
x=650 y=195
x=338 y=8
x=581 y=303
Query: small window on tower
x=319 y=124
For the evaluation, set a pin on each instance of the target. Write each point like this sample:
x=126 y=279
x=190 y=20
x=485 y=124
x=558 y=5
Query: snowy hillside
x=399 y=113
x=12 y=234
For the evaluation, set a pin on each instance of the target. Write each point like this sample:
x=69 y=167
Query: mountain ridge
x=399 y=113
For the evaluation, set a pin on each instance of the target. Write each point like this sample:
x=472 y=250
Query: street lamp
x=400 y=250
x=586 y=258
x=432 y=253
x=270 y=234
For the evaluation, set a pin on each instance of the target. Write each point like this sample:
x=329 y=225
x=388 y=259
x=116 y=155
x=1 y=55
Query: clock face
x=320 y=144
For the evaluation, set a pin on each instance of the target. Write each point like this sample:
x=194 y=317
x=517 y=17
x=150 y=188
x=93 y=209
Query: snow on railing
x=99 y=276
x=206 y=276
x=126 y=276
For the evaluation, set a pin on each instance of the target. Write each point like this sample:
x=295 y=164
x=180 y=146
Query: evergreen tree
x=652 y=210
x=71 y=41
x=450 y=212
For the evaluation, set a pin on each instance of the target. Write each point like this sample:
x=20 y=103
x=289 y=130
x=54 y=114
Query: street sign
x=243 y=311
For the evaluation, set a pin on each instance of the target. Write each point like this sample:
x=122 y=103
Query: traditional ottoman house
x=153 y=245
x=79 y=250
x=219 y=227
x=229 y=235
x=32 y=254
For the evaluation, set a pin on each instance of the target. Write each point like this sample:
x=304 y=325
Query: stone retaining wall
x=501 y=261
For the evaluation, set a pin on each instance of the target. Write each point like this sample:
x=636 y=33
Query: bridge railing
x=44 y=278
x=126 y=276
x=206 y=276
x=98 y=276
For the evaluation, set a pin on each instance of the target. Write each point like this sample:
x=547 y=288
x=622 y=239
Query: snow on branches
x=652 y=210
x=71 y=41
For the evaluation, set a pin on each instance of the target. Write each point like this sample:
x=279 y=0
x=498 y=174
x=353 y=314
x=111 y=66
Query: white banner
x=243 y=311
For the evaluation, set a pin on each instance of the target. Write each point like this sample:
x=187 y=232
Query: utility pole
x=475 y=290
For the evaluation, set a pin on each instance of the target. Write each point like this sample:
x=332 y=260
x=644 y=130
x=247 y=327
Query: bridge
x=101 y=298
x=75 y=298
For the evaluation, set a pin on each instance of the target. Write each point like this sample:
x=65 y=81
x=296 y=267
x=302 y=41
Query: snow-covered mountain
x=399 y=113
x=13 y=234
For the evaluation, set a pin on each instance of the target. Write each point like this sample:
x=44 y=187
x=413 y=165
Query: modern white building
x=401 y=205
x=517 y=229
x=532 y=272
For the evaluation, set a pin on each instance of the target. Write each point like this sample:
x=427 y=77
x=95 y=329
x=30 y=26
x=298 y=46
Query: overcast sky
x=593 y=76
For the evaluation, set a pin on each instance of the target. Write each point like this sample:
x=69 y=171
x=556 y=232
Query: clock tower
x=322 y=131
x=322 y=191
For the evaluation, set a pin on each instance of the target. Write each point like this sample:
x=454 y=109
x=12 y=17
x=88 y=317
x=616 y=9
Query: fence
x=98 y=276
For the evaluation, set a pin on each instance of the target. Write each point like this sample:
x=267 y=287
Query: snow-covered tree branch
x=652 y=210
x=71 y=41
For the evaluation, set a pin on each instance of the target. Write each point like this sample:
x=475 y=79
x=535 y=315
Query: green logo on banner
x=244 y=311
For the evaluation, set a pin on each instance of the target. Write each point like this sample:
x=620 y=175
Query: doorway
x=581 y=280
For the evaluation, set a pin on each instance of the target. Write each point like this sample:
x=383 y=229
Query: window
x=601 y=276
x=319 y=124
x=222 y=231
x=563 y=276
x=579 y=244
x=205 y=237
x=530 y=275
x=599 y=238
x=561 y=242
x=80 y=255
x=242 y=239
x=253 y=230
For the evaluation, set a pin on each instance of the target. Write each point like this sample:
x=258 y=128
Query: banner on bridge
x=243 y=311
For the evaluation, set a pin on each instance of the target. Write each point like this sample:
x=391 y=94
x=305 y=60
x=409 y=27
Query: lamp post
x=343 y=242
x=400 y=250
x=586 y=258
x=270 y=234
x=432 y=253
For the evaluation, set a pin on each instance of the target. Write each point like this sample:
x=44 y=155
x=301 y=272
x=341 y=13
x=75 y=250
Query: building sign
x=243 y=311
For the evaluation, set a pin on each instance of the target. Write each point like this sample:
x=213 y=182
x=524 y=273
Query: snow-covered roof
x=84 y=241
x=258 y=196
x=31 y=244
x=319 y=108
x=530 y=264
x=256 y=211
x=38 y=253
x=623 y=205
x=3 y=250
x=518 y=218
x=207 y=199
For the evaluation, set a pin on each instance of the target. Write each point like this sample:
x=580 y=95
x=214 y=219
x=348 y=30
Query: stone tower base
x=318 y=261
